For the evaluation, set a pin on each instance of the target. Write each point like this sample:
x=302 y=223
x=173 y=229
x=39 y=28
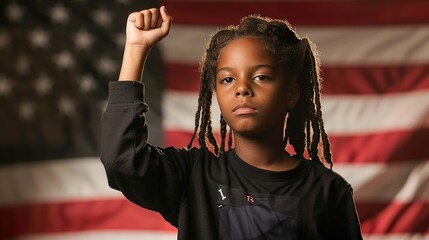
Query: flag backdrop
x=57 y=58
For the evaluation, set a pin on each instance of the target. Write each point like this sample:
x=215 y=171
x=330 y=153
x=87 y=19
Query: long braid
x=230 y=139
x=315 y=76
x=314 y=108
x=222 y=133
x=305 y=128
x=198 y=112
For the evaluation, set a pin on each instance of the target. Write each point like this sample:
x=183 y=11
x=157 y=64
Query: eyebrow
x=253 y=68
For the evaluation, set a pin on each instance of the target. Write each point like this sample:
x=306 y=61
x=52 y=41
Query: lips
x=244 y=109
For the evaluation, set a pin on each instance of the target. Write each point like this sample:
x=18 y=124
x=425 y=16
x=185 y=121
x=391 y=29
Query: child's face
x=251 y=88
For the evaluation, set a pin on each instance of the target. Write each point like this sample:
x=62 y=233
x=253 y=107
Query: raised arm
x=144 y=29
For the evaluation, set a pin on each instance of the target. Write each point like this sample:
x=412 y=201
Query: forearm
x=133 y=63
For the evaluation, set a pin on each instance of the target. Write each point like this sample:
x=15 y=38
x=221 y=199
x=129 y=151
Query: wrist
x=133 y=62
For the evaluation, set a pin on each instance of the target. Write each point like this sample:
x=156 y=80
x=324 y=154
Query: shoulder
x=329 y=180
x=194 y=156
x=327 y=173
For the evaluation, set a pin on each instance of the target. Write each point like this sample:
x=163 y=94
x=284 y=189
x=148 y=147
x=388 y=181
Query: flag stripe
x=159 y=235
x=360 y=79
x=343 y=114
x=75 y=179
x=108 y=214
x=140 y=234
x=354 y=149
x=404 y=178
x=299 y=13
x=410 y=217
x=124 y=215
x=396 y=236
x=338 y=46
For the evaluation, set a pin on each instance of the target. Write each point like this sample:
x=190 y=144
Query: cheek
x=221 y=102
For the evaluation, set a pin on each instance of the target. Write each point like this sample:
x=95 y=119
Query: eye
x=227 y=80
x=261 y=78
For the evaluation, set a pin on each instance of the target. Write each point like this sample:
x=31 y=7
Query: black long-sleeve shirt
x=219 y=197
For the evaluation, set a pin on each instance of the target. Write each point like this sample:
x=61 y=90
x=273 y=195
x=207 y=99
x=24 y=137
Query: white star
x=39 y=38
x=123 y=1
x=26 y=110
x=83 y=40
x=59 y=14
x=120 y=40
x=64 y=60
x=66 y=106
x=103 y=17
x=106 y=65
x=5 y=86
x=87 y=83
x=14 y=12
x=4 y=39
x=22 y=64
x=43 y=85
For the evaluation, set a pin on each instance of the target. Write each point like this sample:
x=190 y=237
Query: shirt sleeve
x=152 y=177
x=346 y=223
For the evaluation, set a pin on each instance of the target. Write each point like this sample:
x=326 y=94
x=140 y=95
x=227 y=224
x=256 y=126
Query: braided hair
x=304 y=129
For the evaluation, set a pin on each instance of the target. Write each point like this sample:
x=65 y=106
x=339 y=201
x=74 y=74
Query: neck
x=268 y=154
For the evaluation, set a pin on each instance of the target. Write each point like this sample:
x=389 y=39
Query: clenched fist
x=147 y=27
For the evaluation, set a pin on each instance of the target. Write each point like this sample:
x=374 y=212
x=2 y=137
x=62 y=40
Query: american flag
x=57 y=57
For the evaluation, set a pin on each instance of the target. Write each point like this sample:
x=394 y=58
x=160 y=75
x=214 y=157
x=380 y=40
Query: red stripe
x=374 y=79
x=394 y=217
x=46 y=218
x=337 y=80
x=383 y=147
x=371 y=148
x=118 y=214
x=316 y=13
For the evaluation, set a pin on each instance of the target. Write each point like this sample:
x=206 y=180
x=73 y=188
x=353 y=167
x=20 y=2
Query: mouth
x=244 y=109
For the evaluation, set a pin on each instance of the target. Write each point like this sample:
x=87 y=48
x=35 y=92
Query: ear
x=293 y=93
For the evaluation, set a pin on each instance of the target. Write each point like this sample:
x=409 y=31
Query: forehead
x=246 y=49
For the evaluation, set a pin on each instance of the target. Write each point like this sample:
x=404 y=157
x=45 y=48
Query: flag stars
x=4 y=40
x=59 y=14
x=22 y=64
x=83 y=40
x=123 y=1
x=64 y=60
x=5 y=86
x=103 y=17
x=66 y=106
x=87 y=83
x=43 y=85
x=120 y=39
x=39 y=38
x=26 y=110
x=106 y=65
x=14 y=12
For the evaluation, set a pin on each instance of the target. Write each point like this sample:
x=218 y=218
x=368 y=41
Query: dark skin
x=254 y=97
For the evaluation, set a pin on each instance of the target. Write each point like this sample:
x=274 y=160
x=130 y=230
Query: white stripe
x=378 y=45
x=343 y=114
x=152 y=235
x=398 y=181
x=77 y=179
x=105 y=235
x=361 y=114
x=398 y=236
x=56 y=180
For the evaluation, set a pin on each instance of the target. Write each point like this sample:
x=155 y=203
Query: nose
x=243 y=89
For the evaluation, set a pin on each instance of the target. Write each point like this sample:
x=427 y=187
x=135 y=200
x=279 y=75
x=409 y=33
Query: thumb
x=166 y=20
